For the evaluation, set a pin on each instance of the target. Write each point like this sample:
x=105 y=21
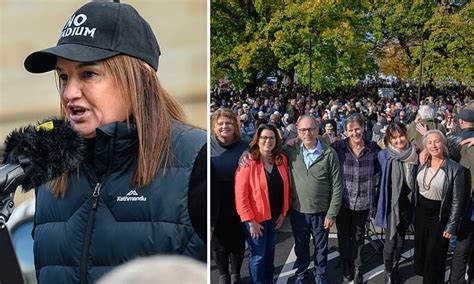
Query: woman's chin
x=85 y=132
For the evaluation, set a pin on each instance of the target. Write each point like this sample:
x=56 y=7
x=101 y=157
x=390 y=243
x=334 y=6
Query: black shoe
x=395 y=275
x=388 y=277
x=235 y=278
x=224 y=279
x=358 y=276
x=347 y=278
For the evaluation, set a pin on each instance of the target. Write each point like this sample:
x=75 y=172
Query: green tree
x=350 y=39
x=445 y=27
x=251 y=39
x=238 y=47
x=449 y=47
x=340 y=45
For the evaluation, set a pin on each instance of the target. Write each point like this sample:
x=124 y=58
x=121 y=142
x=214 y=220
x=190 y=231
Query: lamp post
x=309 y=88
x=421 y=69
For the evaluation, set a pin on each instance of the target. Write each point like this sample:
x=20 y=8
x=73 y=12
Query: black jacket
x=102 y=221
x=453 y=195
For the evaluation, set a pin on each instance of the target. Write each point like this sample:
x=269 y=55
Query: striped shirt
x=358 y=174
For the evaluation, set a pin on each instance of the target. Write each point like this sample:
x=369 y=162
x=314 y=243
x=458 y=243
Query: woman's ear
x=148 y=67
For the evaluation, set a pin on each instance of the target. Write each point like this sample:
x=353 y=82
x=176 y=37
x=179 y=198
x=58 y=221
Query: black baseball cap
x=98 y=31
x=467 y=114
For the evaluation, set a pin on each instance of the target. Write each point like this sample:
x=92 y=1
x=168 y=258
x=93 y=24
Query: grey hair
x=274 y=116
x=426 y=111
x=441 y=136
x=357 y=118
x=316 y=123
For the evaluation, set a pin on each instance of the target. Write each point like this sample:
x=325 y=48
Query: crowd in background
x=381 y=151
x=283 y=107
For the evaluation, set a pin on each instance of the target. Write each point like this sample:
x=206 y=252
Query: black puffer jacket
x=102 y=221
x=453 y=195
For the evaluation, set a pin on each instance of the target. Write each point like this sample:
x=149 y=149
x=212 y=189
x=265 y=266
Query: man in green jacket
x=316 y=196
x=424 y=121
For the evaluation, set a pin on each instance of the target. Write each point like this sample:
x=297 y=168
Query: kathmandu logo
x=73 y=27
x=131 y=197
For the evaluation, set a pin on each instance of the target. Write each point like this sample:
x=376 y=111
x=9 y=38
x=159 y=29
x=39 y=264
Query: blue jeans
x=305 y=225
x=262 y=252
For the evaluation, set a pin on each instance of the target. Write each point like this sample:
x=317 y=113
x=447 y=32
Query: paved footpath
x=285 y=258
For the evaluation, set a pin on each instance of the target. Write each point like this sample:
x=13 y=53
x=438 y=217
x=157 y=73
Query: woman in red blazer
x=262 y=197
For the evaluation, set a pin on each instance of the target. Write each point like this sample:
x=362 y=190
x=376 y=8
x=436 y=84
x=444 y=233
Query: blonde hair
x=225 y=112
x=153 y=111
x=441 y=136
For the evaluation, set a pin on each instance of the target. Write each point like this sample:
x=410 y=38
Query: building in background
x=31 y=25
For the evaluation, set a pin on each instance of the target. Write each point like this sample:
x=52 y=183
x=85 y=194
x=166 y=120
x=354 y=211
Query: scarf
x=402 y=166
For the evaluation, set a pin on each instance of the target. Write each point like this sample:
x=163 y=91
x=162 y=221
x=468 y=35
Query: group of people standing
x=255 y=186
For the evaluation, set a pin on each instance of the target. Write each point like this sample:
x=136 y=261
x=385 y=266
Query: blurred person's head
x=466 y=116
x=328 y=127
x=157 y=269
x=275 y=118
x=425 y=111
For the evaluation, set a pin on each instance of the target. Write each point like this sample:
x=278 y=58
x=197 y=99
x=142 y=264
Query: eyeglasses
x=265 y=138
x=303 y=130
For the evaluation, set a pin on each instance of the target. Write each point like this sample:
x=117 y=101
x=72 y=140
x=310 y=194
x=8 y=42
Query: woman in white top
x=440 y=189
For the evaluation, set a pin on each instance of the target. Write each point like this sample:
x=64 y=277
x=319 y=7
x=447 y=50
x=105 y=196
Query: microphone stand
x=6 y=208
x=11 y=176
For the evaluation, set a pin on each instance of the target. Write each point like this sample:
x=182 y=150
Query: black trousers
x=430 y=245
x=223 y=256
x=463 y=254
x=228 y=248
x=350 y=236
x=393 y=248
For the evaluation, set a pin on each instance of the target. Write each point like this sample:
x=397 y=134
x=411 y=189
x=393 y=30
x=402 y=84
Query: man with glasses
x=316 y=187
x=315 y=200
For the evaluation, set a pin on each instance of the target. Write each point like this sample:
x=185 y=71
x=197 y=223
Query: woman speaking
x=142 y=187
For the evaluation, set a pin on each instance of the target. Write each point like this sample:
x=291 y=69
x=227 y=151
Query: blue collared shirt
x=310 y=155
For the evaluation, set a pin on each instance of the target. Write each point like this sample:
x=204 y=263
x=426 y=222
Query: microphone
x=38 y=154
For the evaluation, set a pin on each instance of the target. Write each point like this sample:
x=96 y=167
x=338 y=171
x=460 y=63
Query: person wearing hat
x=261 y=119
x=329 y=136
x=463 y=253
x=246 y=108
x=141 y=189
x=401 y=118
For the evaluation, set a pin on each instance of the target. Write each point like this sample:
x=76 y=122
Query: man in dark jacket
x=465 y=238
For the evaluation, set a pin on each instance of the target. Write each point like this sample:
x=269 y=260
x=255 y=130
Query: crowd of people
x=342 y=160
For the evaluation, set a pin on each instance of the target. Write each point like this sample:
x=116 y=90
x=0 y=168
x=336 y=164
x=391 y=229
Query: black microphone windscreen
x=52 y=148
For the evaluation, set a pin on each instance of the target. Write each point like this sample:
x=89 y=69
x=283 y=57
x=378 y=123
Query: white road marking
x=288 y=271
